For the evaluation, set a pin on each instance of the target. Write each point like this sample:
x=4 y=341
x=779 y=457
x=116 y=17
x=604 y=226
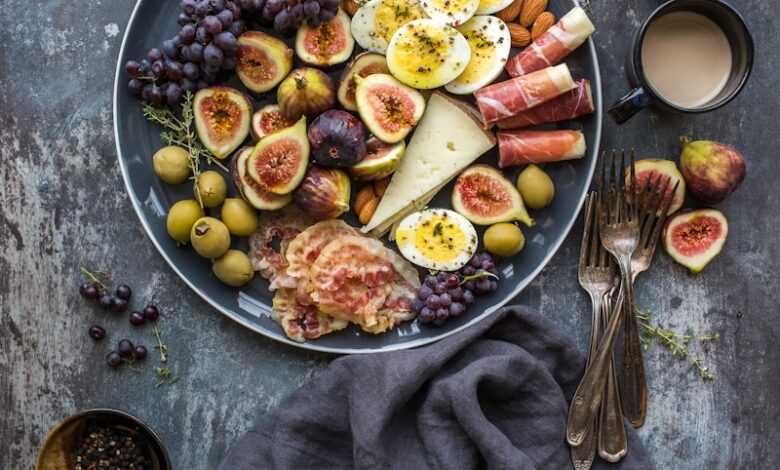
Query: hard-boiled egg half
x=375 y=22
x=451 y=12
x=426 y=54
x=487 y=7
x=490 y=44
x=438 y=239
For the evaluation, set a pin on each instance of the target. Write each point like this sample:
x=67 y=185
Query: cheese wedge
x=448 y=138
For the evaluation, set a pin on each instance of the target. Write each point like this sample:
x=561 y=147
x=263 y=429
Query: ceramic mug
x=733 y=26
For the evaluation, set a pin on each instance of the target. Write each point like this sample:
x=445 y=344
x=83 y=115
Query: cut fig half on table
x=695 y=238
x=655 y=172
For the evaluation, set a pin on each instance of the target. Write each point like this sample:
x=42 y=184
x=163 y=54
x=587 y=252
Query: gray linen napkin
x=493 y=396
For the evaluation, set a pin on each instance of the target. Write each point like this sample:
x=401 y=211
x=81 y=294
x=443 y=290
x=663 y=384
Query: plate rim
x=311 y=345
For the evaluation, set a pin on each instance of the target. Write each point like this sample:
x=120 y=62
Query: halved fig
x=327 y=44
x=656 y=172
x=222 y=117
x=485 y=197
x=380 y=161
x=278 y=162
x=268 y=120
x=262 y=61
x=389 y=108
x=249 y=189
x=363 y=65
x=694 y=238
x=305 y=92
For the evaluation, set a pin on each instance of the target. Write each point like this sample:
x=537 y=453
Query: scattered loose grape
x=106 y=300
x=89 y=291
x=137 y=319
x=113 y=359
x=140 y=352
x=123 y=291
x=151 y=313
x=125 y=348
x=97 y=332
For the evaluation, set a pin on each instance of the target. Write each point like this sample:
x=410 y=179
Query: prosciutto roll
x=507 y=99
x=569 y=105
x=552 y=46
x=520 y=147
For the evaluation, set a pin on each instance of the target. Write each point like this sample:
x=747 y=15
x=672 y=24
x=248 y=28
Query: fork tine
x=667 y=202
x=634 y=204
x=651 y=214
x=614 y=209
x=586 y=231
x=602 y=189
x=603 y=258
x=621 y=197
x=595 y=242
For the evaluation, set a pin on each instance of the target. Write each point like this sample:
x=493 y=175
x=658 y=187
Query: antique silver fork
x=619 y=231
x=633 y=382
x=596 y=274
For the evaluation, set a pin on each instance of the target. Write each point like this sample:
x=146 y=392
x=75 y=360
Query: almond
x=542 y=23
x=519 y=35
x=367 y=211
x=349 y=6
x=367 y=199
x=531 y=10
x=511 y=12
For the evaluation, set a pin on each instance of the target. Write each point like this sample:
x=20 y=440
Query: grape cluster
x=447 y=294
x=288 y=15
x=205 y=46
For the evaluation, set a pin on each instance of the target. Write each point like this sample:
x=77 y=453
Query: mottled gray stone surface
x=62 y=205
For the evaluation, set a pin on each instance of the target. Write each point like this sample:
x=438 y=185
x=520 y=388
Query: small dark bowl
x=58 y=448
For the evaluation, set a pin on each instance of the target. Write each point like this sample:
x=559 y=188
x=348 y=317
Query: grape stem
x=92 y=277
x=476 y=276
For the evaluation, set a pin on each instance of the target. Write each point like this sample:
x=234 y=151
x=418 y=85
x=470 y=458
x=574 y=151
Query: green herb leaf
x=438 y=229
x=478 y=275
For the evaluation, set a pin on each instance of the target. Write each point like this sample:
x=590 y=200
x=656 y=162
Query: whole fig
x=337 y=138
x=324 y=193
x=306 y=91
x=711 y=170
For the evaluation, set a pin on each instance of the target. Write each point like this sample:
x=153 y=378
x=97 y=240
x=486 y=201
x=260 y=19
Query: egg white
x=490 y=44
x=446 y=248
x=375 y=22
x=451 y=12
x=425 y=54
x=487 y=7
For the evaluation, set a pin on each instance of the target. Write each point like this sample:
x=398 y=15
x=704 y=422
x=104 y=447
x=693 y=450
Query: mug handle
x=630 y=104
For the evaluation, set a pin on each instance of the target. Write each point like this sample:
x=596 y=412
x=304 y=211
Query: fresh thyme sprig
x=165 y=376
x=180 y=131
x=95 y=277
x=161 y=347
x=677 y=344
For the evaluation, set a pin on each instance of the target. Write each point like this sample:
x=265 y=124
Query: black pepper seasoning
x=109 y=448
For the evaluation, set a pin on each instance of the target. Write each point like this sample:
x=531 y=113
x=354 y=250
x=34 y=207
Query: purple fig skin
x=324 y=193
x=711 y=170
x=338 y=139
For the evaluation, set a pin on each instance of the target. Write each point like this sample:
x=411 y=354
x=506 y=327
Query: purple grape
x=173 y=94
x=97 y=332
x=456 y=294
x=452 y=281
x=272 y=8
x=202 y=8
x=297 y=12
x=457 y=309
x=169 y=49
x=190 y=70
x=173 y=71
x=125 y=348
x=282 y=21
x=226 y=41
x=155 y=95
x=311 y=9
x=202 y=35
x=417 y=305
x=158 y=69
x=433 y=302
x=187 y=85
x=225 y=17
x=468 y=297
x=133 y=68
x=151 y=312
x=135 y=87
x=137 y=319
x=442 y=315
x=212 y=24
x=258 y=5
x=445 y=300
x=229 y=63
x=245 y=4
x=469 y=285
x=146 y=67
x=327 y=15
x=196 y=52
x=188 y=6
x=331 y=5
x=468 y=270
x=201 y=84
x=140 y=352
x=183 y=19
x=493 y=285
x=430 y=281
x=187 y=34
x=475 y=261
x=237 y=28
x=488 y=265
x=234 y=8
x=146 y=93
x=424 y=292
x=426 y=315
x=216 y=5
x=213 y=55
x=482 y=286
x=154 y=54
x=440 y=288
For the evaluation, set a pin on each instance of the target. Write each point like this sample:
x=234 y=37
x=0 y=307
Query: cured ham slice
x=509 y=98
x=552 y=46
x=268 y=246
x=301 y=322
x=520 y=147
x=569 y=105
x=304 y=249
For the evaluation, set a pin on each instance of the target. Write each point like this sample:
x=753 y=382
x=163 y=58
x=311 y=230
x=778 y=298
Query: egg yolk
x=392 y=14
x=482 y=54
x=437 y=239
x=424 y=49
x=450 y=6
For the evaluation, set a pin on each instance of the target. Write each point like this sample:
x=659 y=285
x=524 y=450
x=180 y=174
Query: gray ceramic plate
x=153 y=21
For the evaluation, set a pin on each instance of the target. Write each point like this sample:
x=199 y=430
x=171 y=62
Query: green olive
x=212 y=188
x=536 y=187
x=504 y=239
x=172 y=164
x=210 y=237
x=181 y=217
x=234 y=268
x=239 y=216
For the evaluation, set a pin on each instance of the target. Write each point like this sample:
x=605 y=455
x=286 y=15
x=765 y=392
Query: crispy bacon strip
x=569 y=105
x=552 y=46
x=506 y=99
x=519 y=147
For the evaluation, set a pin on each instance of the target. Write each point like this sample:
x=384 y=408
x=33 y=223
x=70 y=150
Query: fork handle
x=583 y=455
x=633 y=381
x=613 y=444
x=587 y=398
